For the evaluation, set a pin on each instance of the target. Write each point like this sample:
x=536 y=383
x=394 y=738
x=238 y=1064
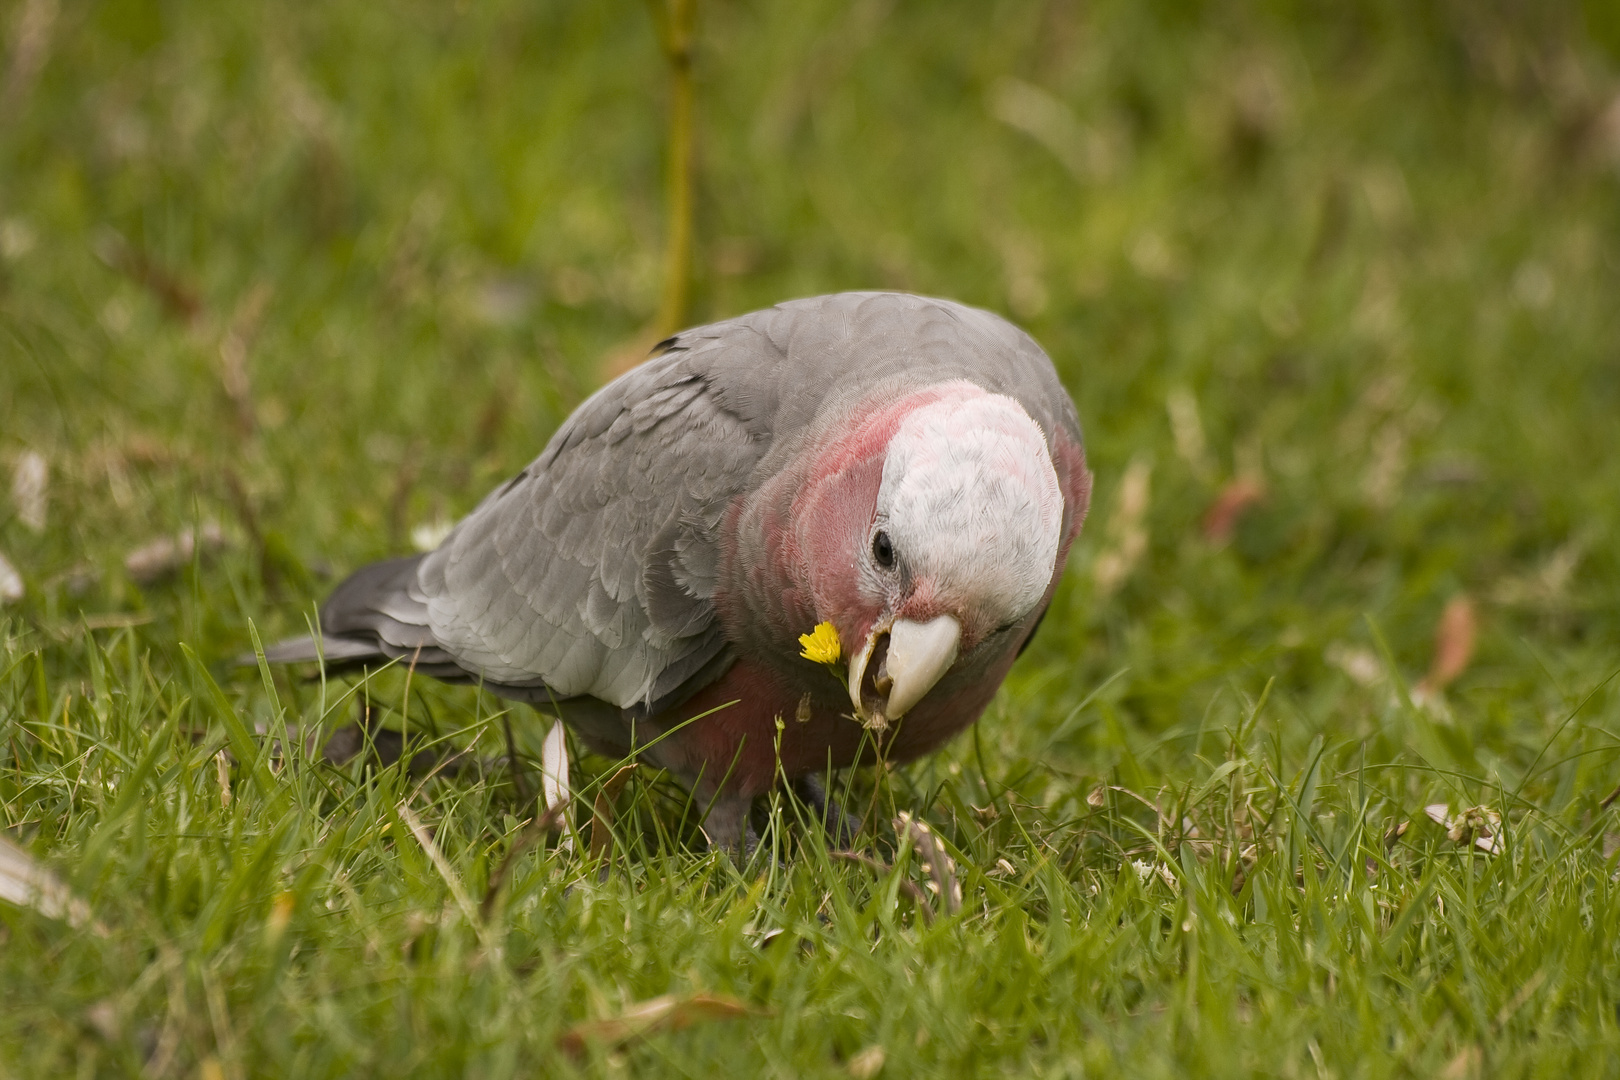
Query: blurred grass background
x=1334 y=291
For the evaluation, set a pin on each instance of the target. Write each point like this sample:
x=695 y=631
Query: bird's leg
x=520 y=787
x=728 y=828
x=842 y=826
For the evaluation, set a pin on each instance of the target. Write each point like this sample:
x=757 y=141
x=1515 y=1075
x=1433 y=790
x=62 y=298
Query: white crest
x=971 y=502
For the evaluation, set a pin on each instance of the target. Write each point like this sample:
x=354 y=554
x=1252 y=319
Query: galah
x=825 y=530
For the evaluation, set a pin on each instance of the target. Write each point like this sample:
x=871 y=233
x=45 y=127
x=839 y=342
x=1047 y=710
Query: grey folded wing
x=593 y=572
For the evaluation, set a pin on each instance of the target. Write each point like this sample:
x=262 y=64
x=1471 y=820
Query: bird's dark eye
x=883 y=550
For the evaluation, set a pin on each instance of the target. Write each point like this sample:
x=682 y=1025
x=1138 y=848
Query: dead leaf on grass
x=103 y=1017
x=602 y=810
x=1464 y=1066
x=868 y=1063
x=1361 y=664
x=30 y=489
x=1548 y=585
x=25 y=882
x=1454 y=638
x=652 y=1017
x=165 y=555
x=1394 y=835
x=11 y=582
x=1235 y=499
x=1188 y=431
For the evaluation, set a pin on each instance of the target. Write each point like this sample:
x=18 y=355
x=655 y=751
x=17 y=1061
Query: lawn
x=1311 y=771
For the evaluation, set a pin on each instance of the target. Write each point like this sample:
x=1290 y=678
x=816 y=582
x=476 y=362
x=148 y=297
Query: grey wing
x=593 y=572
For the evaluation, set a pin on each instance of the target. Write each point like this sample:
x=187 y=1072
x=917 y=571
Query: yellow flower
x=821 y=644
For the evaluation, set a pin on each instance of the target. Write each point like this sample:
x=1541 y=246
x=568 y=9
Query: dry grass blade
x=30 y=48
x=440 y=863
x=602 y=810
x=917 y=896
x=11 y=582
x=652 y=1017
x=935 y=862
x=30 y=489
x=1049 y=121
x=676 y=21
x=26 y=883
x=1188 y=431
x=235 y=349
x=1127 y=529
x=178 y=298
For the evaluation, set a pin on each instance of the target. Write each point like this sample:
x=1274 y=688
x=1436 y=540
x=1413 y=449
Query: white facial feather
x=971 y=502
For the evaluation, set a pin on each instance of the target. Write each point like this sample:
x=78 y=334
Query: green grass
x=1375 y=253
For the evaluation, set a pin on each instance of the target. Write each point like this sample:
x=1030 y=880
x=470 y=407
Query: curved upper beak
x=899 y=664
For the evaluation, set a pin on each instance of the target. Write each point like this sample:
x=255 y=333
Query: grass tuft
x=1311 y=769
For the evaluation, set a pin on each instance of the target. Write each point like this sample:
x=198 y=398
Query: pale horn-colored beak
x=898 y=665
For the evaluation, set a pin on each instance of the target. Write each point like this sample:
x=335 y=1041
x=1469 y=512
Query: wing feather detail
x=564 y=576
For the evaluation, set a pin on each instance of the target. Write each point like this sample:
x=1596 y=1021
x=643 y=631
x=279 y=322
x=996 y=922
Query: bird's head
x=932 y=532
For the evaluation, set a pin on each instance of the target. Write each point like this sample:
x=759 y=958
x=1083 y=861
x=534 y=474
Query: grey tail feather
x=298 y=650
x=370 y=617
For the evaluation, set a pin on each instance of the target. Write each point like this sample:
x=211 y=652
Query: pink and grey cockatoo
x=846 y=514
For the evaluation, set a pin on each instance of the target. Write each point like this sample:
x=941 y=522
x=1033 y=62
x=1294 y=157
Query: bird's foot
x=729 y=827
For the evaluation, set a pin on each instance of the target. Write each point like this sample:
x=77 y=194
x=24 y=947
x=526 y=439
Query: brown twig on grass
x=179 y=300
x=399 y=504
x=545 y=823
x=675 y=20
x=249 y=516
x=235 y=347
x=602 y=809
x=647 y=1018
x=1235 y=500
